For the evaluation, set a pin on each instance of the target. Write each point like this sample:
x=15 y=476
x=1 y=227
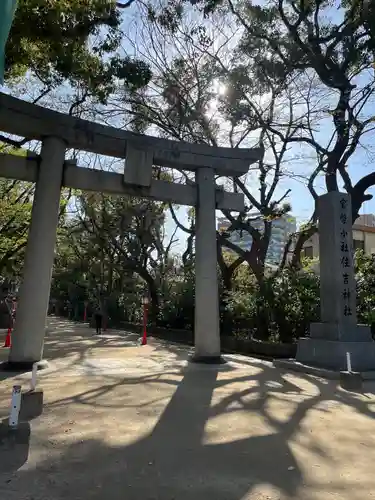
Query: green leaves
x=15 y=214
x=365 y=273
x=7 y=10
x=54 y=40
x=135 y=74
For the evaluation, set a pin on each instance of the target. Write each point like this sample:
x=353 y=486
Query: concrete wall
x=314 y=243
x=366 y=220
x=367 y=237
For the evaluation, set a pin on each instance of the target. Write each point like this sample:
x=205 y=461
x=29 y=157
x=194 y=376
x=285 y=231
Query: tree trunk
x=152 y=289
x=110 y=279
x=154 y=312
x=303 y=237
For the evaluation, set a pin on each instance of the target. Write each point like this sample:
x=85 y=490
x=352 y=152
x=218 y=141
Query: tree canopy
x=297 y=77
x=280 y=41
x=75 y=41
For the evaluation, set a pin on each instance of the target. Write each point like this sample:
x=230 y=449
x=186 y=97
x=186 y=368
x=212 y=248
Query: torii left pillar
x=29 y=331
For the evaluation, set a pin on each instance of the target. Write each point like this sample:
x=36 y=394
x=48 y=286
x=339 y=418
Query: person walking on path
x=98 y=319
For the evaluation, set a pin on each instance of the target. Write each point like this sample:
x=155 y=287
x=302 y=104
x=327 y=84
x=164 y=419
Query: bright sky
x=302 y=203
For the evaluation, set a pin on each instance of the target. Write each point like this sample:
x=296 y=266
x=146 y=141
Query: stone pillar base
x=343 y=333
x=331 y=354
x=22 y=366
x=208 y=360
x=31 y=404
x=351 y=381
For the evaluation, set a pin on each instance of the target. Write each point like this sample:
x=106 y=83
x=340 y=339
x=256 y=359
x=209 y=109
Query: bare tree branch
x=125 y=5
x=177 y=222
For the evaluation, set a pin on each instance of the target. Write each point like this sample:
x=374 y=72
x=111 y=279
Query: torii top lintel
x=36 y=122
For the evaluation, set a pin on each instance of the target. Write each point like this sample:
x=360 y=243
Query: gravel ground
x=124 y=422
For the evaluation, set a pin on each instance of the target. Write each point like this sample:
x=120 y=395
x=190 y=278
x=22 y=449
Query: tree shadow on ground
x=76 y=342
x=64 y=338
x=14 y=446
x=177 y=459
x=173 y=461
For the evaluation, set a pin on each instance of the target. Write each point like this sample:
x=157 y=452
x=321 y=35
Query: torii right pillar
x=207 y=323
x=338 y=332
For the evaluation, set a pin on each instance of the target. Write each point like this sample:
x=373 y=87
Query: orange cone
x=8 y=342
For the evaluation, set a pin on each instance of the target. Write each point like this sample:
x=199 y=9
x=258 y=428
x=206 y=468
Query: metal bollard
x=33 y=377
x=348 y=362
x=15 y=406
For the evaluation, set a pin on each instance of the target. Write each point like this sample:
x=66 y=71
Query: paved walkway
x=124 y=422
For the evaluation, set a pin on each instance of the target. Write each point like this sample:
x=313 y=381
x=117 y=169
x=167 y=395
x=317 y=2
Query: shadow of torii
x=173 y=461
x=181 y=461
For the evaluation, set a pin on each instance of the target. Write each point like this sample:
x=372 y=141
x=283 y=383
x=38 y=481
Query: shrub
x=281 y=309
x=365 y=276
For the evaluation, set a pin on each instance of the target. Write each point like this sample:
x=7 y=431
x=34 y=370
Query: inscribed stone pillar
x=337 y=283
x=338 y=332
x=206 y=331
x=28 y=335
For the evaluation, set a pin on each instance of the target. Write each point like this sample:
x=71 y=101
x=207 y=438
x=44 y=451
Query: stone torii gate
x=51 y=171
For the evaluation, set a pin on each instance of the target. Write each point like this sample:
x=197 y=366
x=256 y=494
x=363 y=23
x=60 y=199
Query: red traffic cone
x=8 y=342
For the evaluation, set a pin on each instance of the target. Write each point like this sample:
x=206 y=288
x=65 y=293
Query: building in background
x=281 y=230
x=363 y=237
x=365 y=220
